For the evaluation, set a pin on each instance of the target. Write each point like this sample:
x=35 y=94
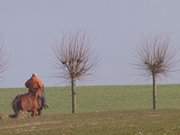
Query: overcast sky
x=29 y=28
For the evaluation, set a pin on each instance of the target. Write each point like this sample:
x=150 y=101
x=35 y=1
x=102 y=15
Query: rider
x=35 y=84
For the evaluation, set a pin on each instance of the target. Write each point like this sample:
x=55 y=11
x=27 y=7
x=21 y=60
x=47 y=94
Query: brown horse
x=27 y=102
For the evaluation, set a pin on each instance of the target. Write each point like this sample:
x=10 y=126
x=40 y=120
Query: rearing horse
x=28 y=102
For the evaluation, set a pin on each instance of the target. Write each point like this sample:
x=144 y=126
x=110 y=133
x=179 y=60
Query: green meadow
x=101 y=110
x=101 y=98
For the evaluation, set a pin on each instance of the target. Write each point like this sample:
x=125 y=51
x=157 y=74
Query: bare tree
x=73 y=60
x=156 y=59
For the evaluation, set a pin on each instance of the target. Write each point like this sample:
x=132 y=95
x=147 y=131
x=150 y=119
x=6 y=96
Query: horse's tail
x=16 y=106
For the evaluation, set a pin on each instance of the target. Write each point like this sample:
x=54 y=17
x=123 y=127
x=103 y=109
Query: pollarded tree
x=74 y=61
x=155 y=59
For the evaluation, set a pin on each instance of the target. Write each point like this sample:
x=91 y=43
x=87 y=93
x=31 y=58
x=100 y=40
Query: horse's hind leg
x=16 y=111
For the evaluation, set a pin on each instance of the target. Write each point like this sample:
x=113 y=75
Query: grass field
x=101 y=98
x=102 y=110
x=164 y=122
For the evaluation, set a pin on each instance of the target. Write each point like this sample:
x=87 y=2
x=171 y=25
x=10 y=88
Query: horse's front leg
x=32 y=114
x=35 y=112
x=39 y=112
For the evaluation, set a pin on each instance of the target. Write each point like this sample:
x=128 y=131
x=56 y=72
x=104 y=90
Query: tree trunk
x=154 y=92
x=73 y=96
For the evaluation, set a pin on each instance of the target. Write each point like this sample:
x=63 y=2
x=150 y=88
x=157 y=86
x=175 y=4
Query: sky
x=116 y=28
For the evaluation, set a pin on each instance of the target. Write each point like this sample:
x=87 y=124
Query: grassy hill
x=162 y=122
x=102 y=110
x=101 y=98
